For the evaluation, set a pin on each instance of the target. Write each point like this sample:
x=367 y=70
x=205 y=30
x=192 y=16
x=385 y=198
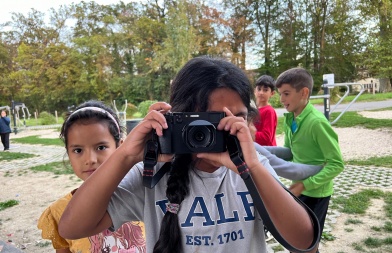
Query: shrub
x=131 y=110
x=47 y=118
x=143 y=107
x=275 y=101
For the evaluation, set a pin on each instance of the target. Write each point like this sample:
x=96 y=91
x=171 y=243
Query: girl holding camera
x=202 y=205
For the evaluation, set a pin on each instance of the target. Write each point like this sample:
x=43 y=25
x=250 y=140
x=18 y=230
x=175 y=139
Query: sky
x=24 y=6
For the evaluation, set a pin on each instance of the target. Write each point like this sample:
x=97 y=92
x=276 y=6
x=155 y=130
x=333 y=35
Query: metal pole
x=326 y=99
x=14 y=116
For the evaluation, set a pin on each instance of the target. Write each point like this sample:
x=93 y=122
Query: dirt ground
x=35 y=191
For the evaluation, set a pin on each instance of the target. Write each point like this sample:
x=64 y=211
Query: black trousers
x=5 y=139
x=319 y=206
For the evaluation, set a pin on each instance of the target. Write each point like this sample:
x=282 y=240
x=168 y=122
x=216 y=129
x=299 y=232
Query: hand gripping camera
x=192 y=132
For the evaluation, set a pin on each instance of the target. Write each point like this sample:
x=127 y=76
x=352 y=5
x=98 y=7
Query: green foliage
x=328 y=236
x=364 y=97
x=277 y=248
x=350 y=119
x=132 y=51
x=384 y=161
x=47 y=118
x=35 y=139
x=280 y=126
x=275 y=101
x=131 y=110
x=352 y=221
x=37 y=122
x=373 y=242
x=58 y=168
x=388 y=227
x=358 y=203
x=7 y=156
x=43 y=244
x=388 y=241
x=8 y=204
x=388 y=204
x=144 y=106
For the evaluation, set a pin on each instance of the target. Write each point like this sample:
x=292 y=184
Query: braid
x=177 y=189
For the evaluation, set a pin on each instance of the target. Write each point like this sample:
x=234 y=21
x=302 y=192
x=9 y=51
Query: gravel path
x=43 y=153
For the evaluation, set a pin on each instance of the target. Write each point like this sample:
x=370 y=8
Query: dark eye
x=77 y=150
x=101 y=147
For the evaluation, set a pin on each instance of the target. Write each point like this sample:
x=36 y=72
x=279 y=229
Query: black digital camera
x=192 y=132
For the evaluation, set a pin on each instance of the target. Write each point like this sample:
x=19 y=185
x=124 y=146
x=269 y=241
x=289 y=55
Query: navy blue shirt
x=5 y=125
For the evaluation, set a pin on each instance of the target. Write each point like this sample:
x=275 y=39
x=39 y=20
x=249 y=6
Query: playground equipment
x=329 y=83
x=15 y=108
x=122 y=115
x=6 y=107
x=14 y=111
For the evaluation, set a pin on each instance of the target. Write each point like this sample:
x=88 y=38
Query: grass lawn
x=34 y=139
x=7 y=156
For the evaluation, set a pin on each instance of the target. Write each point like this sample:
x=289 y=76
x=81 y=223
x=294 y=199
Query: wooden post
x=373 y=87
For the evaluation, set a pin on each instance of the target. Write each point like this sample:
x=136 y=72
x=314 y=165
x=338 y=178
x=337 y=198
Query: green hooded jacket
x=314 y=142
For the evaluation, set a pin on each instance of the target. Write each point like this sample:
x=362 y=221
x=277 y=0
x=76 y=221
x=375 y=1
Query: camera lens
x=199 y=136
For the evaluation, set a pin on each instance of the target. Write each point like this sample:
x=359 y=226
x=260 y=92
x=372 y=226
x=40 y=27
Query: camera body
x=192 y=132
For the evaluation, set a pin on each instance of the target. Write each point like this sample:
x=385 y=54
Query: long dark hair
x=189 y=90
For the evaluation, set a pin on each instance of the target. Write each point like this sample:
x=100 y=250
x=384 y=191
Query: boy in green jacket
x=311 y=139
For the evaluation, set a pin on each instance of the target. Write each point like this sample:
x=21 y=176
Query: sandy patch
x=377 y=114
x=34 y=191
x=348 y=234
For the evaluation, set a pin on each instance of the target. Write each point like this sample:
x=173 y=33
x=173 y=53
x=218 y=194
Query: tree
x=239 y=32
x=343 y=41
x=377 y=55
x=290 y=27
x=265 y=15
x=5 y=69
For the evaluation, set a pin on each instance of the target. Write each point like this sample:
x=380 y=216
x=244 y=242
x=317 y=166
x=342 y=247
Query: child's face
x=292 y=100
x=3 y=114
x=220 y=98
x=88 y=146
x=224 y=97
x=263 y=94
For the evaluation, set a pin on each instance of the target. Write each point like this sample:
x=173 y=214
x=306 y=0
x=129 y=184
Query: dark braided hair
x=193 y=83
x=91 y=116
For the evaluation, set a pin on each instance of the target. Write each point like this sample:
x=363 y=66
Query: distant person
x=90 y=134
x=5 y=130
x=311 y=139
x=268 y=120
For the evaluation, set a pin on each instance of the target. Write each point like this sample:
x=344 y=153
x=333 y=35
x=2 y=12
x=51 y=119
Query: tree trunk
x=385 y=85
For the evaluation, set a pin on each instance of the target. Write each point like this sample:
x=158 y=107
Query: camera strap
x=150 y=160
x=236 y=156
x=235 y=152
